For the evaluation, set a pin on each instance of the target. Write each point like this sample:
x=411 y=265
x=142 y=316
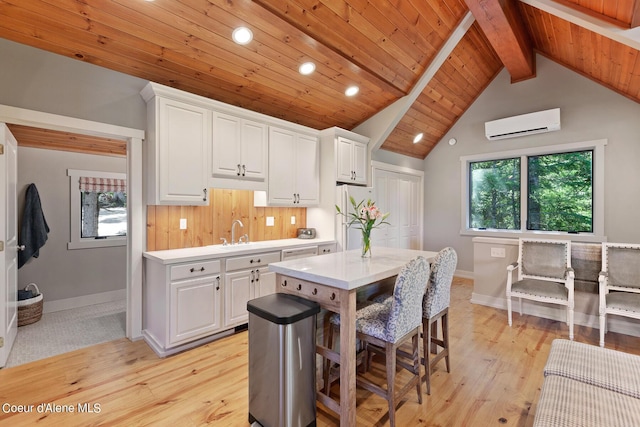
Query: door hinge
x=1 y=149
x=1 y=342
x=1 y=246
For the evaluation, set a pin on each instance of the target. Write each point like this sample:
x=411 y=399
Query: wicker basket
x=30 y=310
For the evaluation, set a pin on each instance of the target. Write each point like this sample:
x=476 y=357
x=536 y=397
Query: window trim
x=75 y=241
x=598 y=190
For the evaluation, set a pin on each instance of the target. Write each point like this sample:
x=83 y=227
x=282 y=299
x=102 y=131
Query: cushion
x=565 y=402
x=624 y=301
x=602 y=367
x=541 y=288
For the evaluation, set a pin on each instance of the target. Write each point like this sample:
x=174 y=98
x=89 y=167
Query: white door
x=9 y=241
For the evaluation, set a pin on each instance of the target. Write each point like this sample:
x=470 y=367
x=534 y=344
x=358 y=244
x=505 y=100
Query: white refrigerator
x=351 y=237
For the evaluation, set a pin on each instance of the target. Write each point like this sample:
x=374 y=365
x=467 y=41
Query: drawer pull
x=194 y=269
x=315 y=291
x=218 y=283
x=284 y=284
x=333 y=296
x=299 y=287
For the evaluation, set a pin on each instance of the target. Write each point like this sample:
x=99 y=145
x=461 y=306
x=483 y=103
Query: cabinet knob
x=315 y=291
x=284 y=284
x=333 y=296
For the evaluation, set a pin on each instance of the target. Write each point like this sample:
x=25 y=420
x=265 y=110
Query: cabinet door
x=254 y=146
x=226 y=150
x=183 y=143
x=238 y=289
x=360 y=164
x=307 y=171
x=265 y=282
x=282 y=166
x=194 y=308
x=344 y=164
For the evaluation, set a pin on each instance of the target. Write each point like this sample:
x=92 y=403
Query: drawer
x=195 y=269
x=327 y=248
x=250 y=261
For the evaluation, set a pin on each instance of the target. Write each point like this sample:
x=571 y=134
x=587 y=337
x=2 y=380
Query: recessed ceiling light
x=418 y=138
x=351 y=90
x=452 y=141
x=242 y=35
x=307 y=68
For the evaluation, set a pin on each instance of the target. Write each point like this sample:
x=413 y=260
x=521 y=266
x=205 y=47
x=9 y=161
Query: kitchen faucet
x=233 y=230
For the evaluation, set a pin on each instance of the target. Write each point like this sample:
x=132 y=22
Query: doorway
x=135 y=218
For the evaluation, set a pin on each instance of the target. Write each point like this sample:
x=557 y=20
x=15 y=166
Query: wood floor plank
x=495 y=379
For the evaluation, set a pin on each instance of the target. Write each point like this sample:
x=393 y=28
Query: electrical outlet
x=183 y=223
x=293 y=220
x=270 y=221
x=498 y=253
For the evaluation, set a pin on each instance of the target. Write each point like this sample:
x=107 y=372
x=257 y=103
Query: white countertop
x=171 y=256
x=348 y=270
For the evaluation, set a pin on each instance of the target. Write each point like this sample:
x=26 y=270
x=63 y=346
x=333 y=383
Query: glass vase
x=366 y=245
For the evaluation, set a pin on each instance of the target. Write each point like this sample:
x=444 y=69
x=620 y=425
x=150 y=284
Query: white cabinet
x=182 y=302
x=327 y=248
x=246 y=277
x=345 y=154
x=294 y=178
x=176 y=150
x=239 y=148
x=351 y=161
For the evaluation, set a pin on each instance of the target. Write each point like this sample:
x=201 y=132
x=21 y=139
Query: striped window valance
x=102 y=185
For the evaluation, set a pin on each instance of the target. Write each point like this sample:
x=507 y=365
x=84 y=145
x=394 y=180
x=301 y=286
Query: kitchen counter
x=348 y=270
x=170 y=256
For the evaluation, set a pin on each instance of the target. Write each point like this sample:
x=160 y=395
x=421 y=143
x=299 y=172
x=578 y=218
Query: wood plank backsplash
x=207 y=224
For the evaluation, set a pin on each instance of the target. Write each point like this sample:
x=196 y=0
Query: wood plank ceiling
x=383 y=47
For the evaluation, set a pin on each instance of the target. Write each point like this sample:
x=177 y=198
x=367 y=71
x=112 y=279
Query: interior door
x=9 y=242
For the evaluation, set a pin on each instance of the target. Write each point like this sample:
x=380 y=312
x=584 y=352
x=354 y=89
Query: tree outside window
x=559 y=189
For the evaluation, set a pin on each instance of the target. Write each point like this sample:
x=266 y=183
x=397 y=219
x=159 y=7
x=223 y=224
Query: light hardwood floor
x=495 y=379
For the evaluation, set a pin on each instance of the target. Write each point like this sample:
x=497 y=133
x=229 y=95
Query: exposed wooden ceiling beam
x=503 y=27
x=626 y=36
x=380 y=126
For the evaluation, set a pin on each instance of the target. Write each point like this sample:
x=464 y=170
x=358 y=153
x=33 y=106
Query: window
x=98 y=209
x=542 y=190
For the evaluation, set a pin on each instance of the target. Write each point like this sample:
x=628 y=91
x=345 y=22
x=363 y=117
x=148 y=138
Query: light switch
x=183 y=223
x=498 y=252
x=270 y=221
x=293 y=219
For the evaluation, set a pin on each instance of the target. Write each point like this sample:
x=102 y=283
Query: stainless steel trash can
x=282 y=361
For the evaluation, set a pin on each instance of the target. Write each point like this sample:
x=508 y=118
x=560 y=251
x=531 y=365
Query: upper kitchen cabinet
x=176 y=149
x=294 y=168
x=350 y=155
x=239 y=149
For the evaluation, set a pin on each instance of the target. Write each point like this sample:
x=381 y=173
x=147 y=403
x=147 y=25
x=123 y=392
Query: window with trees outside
x=99 y=209
x=537 y=190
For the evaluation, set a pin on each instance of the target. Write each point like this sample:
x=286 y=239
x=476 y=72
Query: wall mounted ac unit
x=525 y=124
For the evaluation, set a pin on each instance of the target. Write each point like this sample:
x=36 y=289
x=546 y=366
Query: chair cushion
x=627 y=301
x=602 y=367
x=567 y=402
x=374 y=321
x=362 y=309
x=541 y=288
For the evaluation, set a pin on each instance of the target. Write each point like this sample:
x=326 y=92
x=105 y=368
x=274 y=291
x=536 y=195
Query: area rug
x=64 y=331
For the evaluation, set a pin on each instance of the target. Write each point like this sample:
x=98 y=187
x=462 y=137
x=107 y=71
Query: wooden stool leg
x=445 y=339
x=391 y=380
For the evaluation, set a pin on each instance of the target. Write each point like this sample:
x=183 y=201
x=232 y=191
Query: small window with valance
x=99 y=208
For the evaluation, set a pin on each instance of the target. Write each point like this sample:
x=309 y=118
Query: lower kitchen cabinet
x=182 y=303
x=243 y=284
x=195 y=308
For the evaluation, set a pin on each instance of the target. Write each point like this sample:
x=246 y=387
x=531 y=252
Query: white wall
x=61 y=273
x=588 y=111
x=38 y=80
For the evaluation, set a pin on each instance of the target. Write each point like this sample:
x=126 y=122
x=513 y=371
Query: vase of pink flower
x=366 y=216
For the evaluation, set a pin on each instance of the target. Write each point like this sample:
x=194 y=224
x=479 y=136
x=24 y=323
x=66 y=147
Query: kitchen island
x=332 y=281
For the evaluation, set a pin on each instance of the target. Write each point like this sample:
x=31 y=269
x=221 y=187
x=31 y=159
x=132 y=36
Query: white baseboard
x=464 y=274
x=617 y=324
x=82 y=301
